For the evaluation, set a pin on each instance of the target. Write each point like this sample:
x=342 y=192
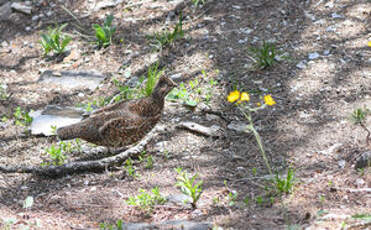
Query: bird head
x=163 y=87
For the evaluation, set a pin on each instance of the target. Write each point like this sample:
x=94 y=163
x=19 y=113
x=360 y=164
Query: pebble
x=301 y=65
x=28 y=28
x=335 y=15
x=176 y=76
x=314 y=55
x=49 y=13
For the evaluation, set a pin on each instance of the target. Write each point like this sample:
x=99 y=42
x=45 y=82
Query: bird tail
x=68 y=132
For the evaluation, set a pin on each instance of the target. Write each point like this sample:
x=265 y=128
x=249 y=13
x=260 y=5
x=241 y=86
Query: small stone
x=81 y=94
x=314 y=55
x=236 y=7
x=301 y=65
x=335 y=15
x=176 y=76
x=28 y=28
x=331 y=29
x=4 y=44
x=246 y=30
x=341 y=163
x=49 y=13
x=326 y=52
x=35 y=18
x=360 y=182
x=179 y=199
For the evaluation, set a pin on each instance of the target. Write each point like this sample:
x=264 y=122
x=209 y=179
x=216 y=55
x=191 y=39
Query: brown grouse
x=124 y=123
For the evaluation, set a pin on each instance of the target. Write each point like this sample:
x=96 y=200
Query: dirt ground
x=326 y=75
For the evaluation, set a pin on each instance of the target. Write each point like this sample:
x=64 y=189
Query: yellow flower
x=258 y=104
x=269 y=100
x=245 y=97
x=369 y=44
x=233 y=96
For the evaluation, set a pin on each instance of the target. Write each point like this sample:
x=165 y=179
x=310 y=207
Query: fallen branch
x=80 y=166
x=367 y=190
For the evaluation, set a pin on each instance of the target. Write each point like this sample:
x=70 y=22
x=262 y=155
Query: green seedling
x=188 y=185
x=149 y=162
x=285 y=184
x=54 y=40
x=358 y=117
x=232 y=197
x=153 y=74
x=22 y=118
x=265 y=55
x=130 y=169
x=162 y=39
x=56 y=154
x=146 y=201
x=198 y=2
x=117 y=226
x=104 y=33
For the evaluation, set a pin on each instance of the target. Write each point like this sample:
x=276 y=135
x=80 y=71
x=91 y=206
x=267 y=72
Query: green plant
x=149 y=162
x=54 y=40
x=56 y=154
x=264 y=56
x=198 y=2
x=232 y=197
x=153 y=75
x=162 y=39
x=104 y=33
x=130 y=168
x=259 y=200
x=363 y=216
x=145 y=201
x=117 y=226
x=246 y=201
x=183 y=94
x=285 y=184
x=22 y=118
x=188 y=185
x=126 y=93
x=247 y=111
x=358 y=117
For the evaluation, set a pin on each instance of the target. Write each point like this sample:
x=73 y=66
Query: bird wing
x=126 y=130
x=110 y=108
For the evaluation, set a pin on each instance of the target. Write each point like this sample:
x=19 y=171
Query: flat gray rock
x=53 y=115
x=20 y=7
x=72 y=79
x=5 y=11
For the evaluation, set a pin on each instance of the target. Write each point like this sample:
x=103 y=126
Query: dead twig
x=80 y=166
